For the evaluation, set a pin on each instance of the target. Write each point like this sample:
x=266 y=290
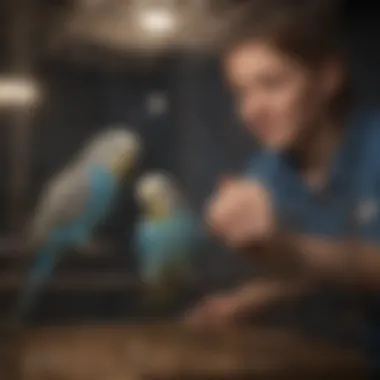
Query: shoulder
x=364 y=148
x=366 y=124
x=367 y=131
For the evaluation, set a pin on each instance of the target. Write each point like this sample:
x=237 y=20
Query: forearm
x=347 y=262
x=263 y=294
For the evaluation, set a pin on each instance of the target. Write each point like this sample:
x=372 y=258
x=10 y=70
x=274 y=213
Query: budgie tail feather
x=39 y=273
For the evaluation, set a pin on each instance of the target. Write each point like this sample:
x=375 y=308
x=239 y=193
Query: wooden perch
x=74 y=282
x=17 y=248
x=170 y=351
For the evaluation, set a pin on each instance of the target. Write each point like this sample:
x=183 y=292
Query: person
x=309 y=201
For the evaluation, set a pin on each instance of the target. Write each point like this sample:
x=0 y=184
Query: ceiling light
x=157 y=20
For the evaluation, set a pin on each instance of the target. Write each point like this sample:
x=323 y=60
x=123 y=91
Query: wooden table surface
x=171 y=351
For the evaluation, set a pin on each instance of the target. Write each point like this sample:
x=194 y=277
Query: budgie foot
x=166 y=291
x=161 y=296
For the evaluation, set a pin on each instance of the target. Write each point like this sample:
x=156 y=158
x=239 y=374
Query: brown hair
x=308 y=31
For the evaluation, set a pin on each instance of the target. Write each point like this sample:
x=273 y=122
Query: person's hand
x=216 y=311
x=241 y=212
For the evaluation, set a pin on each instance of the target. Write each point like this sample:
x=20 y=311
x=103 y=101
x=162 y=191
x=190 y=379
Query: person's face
x=278 y=99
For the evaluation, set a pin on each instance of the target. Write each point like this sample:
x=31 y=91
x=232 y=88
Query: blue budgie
x=168 y=236
x=74 y=202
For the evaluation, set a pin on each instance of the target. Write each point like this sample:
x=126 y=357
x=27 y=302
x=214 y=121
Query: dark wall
x=198 y=138
x=199 y=126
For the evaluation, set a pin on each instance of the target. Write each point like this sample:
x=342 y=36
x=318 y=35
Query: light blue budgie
x=74 y=202
x=167 y=238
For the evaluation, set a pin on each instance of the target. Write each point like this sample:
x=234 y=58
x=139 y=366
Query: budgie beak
x=156 y=211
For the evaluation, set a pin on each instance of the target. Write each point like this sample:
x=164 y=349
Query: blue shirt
x=348 y=205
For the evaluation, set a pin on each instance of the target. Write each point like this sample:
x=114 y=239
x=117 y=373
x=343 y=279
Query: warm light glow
x=92 y=3
x=157 y=20
x=16 y=91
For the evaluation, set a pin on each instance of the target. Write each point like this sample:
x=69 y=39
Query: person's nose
x=255 y=109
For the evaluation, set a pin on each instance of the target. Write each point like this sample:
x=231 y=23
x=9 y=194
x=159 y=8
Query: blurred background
x=71 y=67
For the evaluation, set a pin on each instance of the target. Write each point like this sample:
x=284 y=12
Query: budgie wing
x=165 y=247
x=63 y=200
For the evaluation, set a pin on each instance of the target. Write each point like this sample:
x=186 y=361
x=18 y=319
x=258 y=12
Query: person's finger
x=233 y=215
x=245 y=232
x=219 y=215
x=240 y=230
x=216 y=195
x=213 y=208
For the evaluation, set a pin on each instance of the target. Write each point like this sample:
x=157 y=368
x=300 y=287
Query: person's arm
x=243 y=303
x=260 y=295
x=351 y=262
